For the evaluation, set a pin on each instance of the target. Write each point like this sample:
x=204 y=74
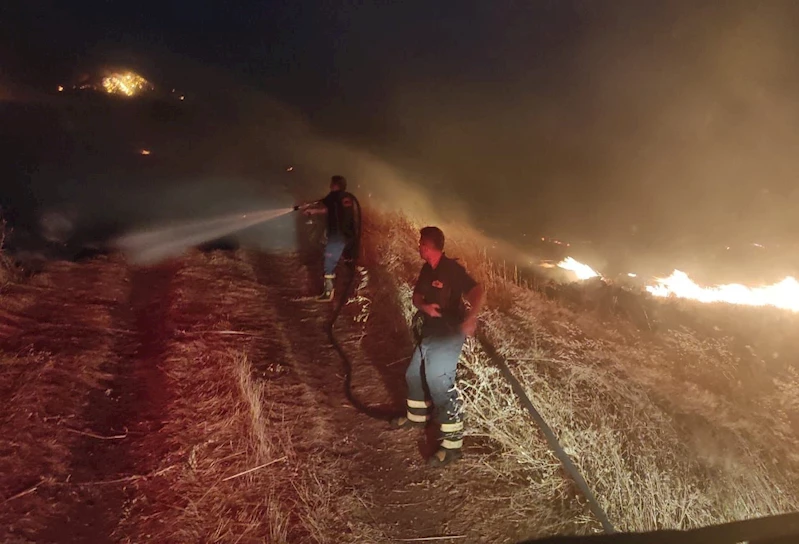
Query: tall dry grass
x=242 y=462
x=57 y=348
x=656 y=422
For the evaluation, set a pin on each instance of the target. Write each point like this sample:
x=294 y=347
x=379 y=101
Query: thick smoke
x=662 y=132
x=667 y=128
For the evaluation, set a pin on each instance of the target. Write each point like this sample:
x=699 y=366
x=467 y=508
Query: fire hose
x=550 y=436
x=378 y=413
x=769 y=530
x=354 y=250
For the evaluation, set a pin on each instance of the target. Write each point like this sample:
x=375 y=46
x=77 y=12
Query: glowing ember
x=145 y=152
x=126 y=84
x=784 y=294
x=60 y=88
x=582 y=271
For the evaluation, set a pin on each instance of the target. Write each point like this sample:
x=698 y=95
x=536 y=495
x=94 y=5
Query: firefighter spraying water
x=340 y=208
x=444 y=322
x=151 y=246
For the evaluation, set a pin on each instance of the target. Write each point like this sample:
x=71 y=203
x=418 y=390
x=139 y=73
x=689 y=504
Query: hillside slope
x=140 y=398
x=685 y=424
x=200 y=400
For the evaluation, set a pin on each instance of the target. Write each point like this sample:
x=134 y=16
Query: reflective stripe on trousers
x=451 y=435
x=440 y=358
x=418 y=410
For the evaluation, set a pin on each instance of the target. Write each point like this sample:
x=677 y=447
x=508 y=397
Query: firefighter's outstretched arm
x=311 y=208
x=317 y=210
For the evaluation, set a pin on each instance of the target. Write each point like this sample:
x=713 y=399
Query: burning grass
x=689 y=425
x=665 y=426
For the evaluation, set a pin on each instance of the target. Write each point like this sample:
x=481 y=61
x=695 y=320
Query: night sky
x=647 y=122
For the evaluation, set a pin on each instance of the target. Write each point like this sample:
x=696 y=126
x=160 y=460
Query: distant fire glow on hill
x=126 y=84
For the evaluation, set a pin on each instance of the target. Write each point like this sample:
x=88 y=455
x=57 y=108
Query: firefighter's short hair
x=434 y=235
x=339 y=181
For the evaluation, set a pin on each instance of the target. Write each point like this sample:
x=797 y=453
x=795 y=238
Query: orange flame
x=784 y=294
x=582 y=271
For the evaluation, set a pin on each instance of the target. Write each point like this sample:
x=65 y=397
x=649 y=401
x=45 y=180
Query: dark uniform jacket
x=446 y=286
x=340 y=214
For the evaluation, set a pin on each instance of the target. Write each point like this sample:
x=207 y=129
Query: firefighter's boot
x=444 y=456
x=402 y=422
x=328 y=291
x=451 y=445
x=416 y=417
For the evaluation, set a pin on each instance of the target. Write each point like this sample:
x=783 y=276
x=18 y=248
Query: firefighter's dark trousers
x=333 y=249
x=439 y=355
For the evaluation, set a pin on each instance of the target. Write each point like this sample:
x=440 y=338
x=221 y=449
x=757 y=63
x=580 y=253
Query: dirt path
x=405 y=498
x=98 y=327
x=129 y=416
x=130 y=406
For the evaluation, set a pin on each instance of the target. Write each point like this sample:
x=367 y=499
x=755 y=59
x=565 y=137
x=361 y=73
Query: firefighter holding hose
x=339 y=205
x=444 y=323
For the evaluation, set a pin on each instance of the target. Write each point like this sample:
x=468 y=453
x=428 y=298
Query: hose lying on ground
x=375 y=412
x=766 y=530
x=380 y=413
x=552 y=440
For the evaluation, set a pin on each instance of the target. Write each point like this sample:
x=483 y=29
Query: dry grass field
x=201 y=401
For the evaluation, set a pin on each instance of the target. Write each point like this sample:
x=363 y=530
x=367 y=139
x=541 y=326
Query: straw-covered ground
x=200 y=401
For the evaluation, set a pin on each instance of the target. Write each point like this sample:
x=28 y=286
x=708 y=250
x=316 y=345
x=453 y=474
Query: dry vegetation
x=7 y=269
x=171 y=403
x=241 y=458
x=58 y=352
x=669 y=428
x=217 y=443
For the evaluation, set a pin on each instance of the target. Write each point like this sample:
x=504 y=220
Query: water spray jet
x=151 y=246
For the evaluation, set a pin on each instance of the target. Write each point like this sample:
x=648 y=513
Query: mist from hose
x=152 y=246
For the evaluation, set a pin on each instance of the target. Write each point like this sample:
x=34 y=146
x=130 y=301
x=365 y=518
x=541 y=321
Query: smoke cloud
x=662 y=132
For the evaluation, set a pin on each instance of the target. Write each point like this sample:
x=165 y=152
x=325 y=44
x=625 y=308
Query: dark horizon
x=649 y=124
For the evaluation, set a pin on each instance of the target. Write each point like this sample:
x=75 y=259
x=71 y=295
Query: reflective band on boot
x=452 y=435
x=451 y=427
x=452 y=444
x=328 y=291
x=424 y=404
x=416 y=418
x=418 y=410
